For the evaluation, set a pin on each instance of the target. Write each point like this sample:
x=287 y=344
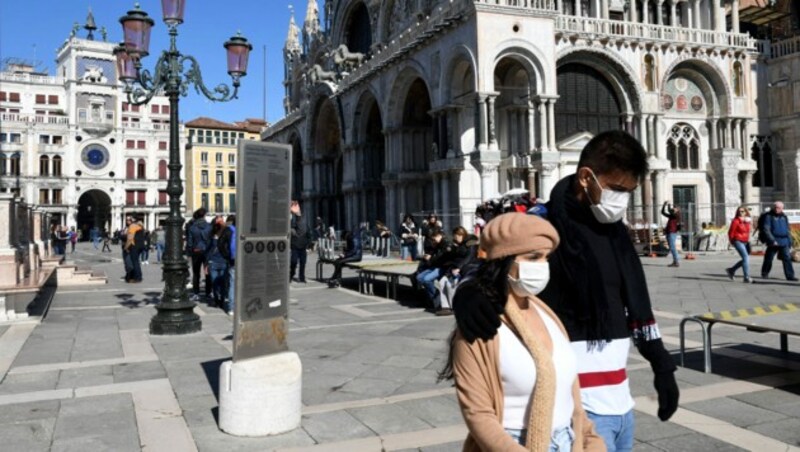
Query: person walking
x=519 y=390
x=597 y=288
x=739 y=236
x=217 y=267
x=134 y=244
x=198 y=239
x=300 y=239
x=673 y=214
x=145 y=255
x=73 y=238
x=94 y=235
x=778 y=239
x=227 y=247
x=160 y=238
x=122 y=238
x=408 y=238
x=106 y=242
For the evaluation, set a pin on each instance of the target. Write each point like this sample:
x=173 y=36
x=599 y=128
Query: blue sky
x=38 y=27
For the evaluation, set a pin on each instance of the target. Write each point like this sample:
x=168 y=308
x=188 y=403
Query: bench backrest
x=326 y=249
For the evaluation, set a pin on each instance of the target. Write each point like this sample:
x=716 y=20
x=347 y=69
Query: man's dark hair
x=199 y=213
x=231 y=219
x=436 y=231
x=615 y=150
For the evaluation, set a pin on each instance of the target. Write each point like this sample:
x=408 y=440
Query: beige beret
x=516 y=233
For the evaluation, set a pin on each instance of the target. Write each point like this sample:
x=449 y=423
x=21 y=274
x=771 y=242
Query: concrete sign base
x=260 y=396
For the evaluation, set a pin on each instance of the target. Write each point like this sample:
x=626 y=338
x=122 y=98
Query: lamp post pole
x=172 y=77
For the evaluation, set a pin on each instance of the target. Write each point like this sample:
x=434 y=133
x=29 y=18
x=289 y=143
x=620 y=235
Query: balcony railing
x=786 y=47
x=13 y=117
x=45 y=147
x=596 y=28
x=530 y=5
x=23 y=77
x=40 y=119
x=10 y=147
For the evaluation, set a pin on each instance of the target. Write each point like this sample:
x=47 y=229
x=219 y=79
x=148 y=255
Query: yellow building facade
x=211 y=162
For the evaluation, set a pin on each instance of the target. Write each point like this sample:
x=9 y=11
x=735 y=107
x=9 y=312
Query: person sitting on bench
x=352 y=254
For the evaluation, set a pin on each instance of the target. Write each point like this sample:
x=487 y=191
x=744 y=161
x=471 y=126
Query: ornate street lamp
x=173 y=74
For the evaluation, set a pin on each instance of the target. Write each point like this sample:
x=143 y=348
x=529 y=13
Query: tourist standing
x=227 y=247
x=145 y=255
x=673 y=214
x=160 y=237
x=217 y=266
x=134 y=244
x=198 y=240
x=300 y=239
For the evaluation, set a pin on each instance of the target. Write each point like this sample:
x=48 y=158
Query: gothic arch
x=344 y=15
x=626 y=86
x=709 y=78
x=462 y=59
x=400 y=86
x=364 y=104
x=324 y=106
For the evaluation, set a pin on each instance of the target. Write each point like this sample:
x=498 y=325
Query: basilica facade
x=416 y=106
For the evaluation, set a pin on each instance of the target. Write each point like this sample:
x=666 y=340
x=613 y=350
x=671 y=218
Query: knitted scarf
x=579 y=291
x=540 y=421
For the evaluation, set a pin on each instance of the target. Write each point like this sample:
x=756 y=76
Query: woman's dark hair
x=217 y=228
x=459 y=230
x=492 y=282
x=409 y=216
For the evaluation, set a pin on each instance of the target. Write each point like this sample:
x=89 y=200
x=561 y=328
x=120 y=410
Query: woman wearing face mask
x=519 y=389
x=739 y=236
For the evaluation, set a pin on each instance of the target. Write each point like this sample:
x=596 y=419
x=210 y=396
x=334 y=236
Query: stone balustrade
x=588 y=27
x=785 y=47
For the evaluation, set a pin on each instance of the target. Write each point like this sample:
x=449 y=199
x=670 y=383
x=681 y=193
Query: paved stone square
x=90 y=377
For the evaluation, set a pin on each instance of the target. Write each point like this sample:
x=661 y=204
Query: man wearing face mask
x=597 y=288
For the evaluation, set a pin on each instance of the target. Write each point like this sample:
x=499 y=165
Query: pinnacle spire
x=90 y=26
x=311 y=24
x=292 y=37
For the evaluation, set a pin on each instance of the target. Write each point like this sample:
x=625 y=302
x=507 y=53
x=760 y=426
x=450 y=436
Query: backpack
x=762 y=235
x=138 y=239
x=224 y=244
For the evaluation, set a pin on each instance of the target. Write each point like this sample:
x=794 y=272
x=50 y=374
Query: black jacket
x=301 y=236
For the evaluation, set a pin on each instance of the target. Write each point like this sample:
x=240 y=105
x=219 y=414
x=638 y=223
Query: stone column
x=532 y=188
x=642 y=134
x=659 y=12
x=672 y=15
x=513 y=132
x=597 y=8
x=712 y=133
x=747 y=186
x=401 y=198
x=491 y=122
x=658 y=137
x=645 y=12
x=745 y=139
x=578 y=8
x=531 y=142
x=736 y=134
x=551 y=124
x=605 y=9
x=437 y=205
x=543 y=140
x=658 y=187
x=715 y=19
x=735 y=16
x=8 y=253
x=446 y=201
x=650 y=135
x=634 y=14
x=726 y=181
x=480 y=122
x=687 y=12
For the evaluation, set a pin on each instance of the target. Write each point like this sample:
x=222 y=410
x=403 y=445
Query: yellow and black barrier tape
x=751 y=312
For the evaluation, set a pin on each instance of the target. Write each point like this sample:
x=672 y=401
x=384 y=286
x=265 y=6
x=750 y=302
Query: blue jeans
x=766 y=267
x=426 y=278
x=219 y=279
x=672 y=249
x=616 y=430
x=561 y=440
x=231 y=287
x=744 y=263
x=96 y=242
x=159 y=251
x=409 y=250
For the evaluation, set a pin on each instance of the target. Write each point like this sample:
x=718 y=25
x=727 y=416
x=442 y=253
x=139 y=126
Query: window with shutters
x=154 y=109
x=57 y=198
x=140 y=144
x=587 y=103
x=162 y=169
x=44 y=165
x=204 y=178
x=41 y=99
x=218 y=205
x=52 y=100
x=231 y=178
x=204 y=200
x=14 y=165
x=162 y=145
x=141 y=169
x=130 y=197
x=44 y=196
x=163 y=198
x=130 y=169
x=232 y=202
x=140 y=197
x=219 y=178
x=13 y=97
x=130 y=144
x=3 y=96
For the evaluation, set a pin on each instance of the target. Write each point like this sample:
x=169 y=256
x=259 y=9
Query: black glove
x=668 y=394
x=664 y=369
x=476 y=315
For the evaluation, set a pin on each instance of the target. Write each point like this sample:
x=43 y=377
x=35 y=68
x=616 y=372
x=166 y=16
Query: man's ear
x=584 y=175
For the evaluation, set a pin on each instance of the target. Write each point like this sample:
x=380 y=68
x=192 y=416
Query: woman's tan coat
x=479 y=388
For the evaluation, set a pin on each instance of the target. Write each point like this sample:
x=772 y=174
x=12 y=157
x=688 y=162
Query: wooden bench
x=783 y=319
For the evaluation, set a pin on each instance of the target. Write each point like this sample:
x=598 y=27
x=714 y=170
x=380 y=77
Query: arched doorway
x=368 y=196
x=94 y=210
x=327 y=145
x=588 y=102
x=417 y=126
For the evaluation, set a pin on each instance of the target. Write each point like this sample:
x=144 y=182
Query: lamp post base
x=175 y=319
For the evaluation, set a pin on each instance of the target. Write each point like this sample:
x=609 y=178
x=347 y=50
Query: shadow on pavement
x=735 y=368
x=150 y=298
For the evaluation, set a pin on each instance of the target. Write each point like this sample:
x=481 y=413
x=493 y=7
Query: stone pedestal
x=260 y=396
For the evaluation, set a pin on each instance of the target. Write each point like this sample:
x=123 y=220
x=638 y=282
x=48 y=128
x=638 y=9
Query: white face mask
x=612 y=206
x=532 y=278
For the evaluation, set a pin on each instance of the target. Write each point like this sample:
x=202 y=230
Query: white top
x=518 y=376
x=602 y=376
